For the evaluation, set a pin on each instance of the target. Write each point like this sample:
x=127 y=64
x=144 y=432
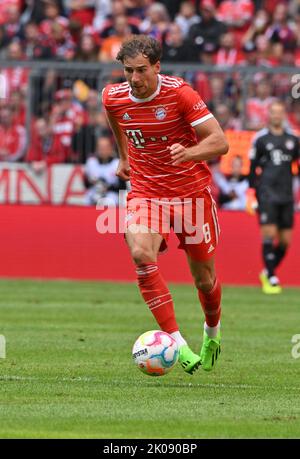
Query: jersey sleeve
x=192 y=106
x=255 y=153
x=105 y=97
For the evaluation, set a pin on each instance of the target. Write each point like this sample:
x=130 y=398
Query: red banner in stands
x=51 y=242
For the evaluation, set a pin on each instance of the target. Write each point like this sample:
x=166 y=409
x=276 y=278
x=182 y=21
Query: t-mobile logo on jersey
x=136 y=136
x=2 y=347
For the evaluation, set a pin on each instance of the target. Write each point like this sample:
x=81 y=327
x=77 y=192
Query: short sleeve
x=104 y=96
x=192 y=107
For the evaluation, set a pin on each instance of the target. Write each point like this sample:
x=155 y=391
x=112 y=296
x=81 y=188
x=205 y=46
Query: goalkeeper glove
x=251 y=201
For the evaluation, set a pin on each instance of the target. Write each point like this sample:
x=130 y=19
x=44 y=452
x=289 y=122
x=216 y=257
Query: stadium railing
x=238 y=80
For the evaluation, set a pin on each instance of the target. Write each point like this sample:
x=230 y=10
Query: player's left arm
x=213 y=143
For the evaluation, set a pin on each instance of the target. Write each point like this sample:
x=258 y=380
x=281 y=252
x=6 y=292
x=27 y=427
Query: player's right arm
x=254 y=154
x=123 y=170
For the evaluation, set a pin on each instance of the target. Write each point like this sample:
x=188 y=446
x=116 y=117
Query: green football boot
x=189 y=361
x=210 y=351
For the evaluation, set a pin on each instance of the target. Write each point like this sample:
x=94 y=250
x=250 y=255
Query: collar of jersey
x=135 y=99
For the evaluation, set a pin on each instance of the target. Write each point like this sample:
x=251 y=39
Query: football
x=155 y=353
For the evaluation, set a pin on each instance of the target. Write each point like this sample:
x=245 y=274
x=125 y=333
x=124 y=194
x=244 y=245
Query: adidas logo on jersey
x=211 y=248
x=126 y=117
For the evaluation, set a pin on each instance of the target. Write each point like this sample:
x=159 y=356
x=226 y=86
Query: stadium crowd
x=67 y=118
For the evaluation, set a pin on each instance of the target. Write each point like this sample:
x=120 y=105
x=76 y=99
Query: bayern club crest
x=160 y=113
x=289 y=145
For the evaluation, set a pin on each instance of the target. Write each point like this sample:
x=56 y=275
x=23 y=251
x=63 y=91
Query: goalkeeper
x=273 y=152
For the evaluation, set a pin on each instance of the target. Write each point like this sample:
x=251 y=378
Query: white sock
x=212 y=331
x=179 y=339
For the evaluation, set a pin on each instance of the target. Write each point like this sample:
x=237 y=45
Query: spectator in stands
x=62 y=45
x=296 y=26
x=226 y=119
x=172 y=6
x=12 y=25
x=100 y=175
x=35 y=44
x=233 y=187
x=35 y=10
x=209 y=29
x=65 y=116
x=294 y=116
x=237 y=15
x=3 y=42
x=111 y=45
x=12 y=137
x=118 y=8
x=187 y=17
x=208 y=53
x=16 y=78
x=250 y=53
x=52 y=13
x=81 y=11
x=265 y=56
x=89 y=129
x=3 y=9
x=175 y=48
x=103 y=9
x=88 y=48
x=279 y=30
x=228 y=53
x=157 y=21
x=17 y=104
x=45 y=147
x=257 y=27
x=219 y=92
x=201 y=81
x=137 y=8
x=289 y=55
x=257 y=107
x=14 y=50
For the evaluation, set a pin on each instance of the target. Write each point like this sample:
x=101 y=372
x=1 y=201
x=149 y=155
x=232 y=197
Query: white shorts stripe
x=215 y=218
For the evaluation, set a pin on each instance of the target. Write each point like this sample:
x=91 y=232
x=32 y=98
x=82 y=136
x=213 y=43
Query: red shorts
x=194 y=221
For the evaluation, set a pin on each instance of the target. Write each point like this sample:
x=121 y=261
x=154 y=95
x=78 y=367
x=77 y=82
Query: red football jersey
x=151 y=126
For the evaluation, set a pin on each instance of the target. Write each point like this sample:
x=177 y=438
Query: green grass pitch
x=68 y=371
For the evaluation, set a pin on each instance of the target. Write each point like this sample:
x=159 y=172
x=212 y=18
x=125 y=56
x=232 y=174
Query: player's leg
x=201 y=256
x=269 y=219
x=209 y=292
x=286 y=223
x=144 y=247
x=284 y=241
x=270 y=282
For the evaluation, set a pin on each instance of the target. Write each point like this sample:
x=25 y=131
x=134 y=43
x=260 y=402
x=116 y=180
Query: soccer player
x=273 y=151
x=156 y=120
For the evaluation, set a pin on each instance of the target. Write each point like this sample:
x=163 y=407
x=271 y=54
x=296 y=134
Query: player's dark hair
x=140 y=44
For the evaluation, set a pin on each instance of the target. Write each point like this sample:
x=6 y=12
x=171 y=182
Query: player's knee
x=205 y=285
x=142 y=255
